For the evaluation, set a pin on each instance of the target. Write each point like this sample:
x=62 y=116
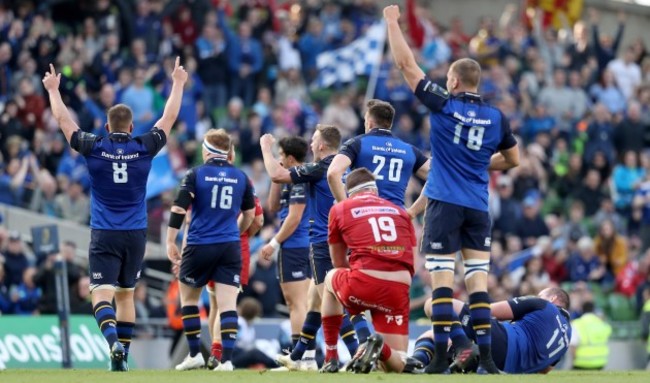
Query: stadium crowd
x=575 y=212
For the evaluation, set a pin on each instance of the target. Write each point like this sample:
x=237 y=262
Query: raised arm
x=335 y=176
x=60 y=112
x=404 y=58
x=505 y=159
x=277 y=173
x=173 y=105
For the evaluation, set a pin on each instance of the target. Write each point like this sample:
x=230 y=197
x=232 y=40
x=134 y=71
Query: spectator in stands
x=531 y=224
x=312 y=43
x=212 y=66
x=245 y=58
x=15 y=260
x=627 y=177
x=264 y=287
x=73 y=205
x=6 y=305
x=605 y=47
x=600 y=134
x=506 y=210
x=608 y=212
x=606 y=92
x=97 y=110
x=290 y=86
x=249 y=139
x=632 y=133
x=80 y=301
x=140 y=98
x=27 y=294
x=31 y=105
x=147 y=26
x=611 y=248
x=233 y=121
x=45 y=277
x=558 y=98
x=585 y=265
x=626 y=72
x=340 y=113
x=590 y=192
x=5 y=71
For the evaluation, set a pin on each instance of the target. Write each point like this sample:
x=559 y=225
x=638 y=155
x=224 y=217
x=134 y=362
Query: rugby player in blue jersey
x=468 y=138
x=119 y=166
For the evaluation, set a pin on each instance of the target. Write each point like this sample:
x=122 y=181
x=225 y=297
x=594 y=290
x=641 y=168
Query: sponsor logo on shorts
x=189 y=279
x=369 y=305
x=488 y=241
x=447 y=328
x=236 y=278
x=435 y=245
x=398 y=319
x=97 y=276
x=137 y=276
x=297 y=274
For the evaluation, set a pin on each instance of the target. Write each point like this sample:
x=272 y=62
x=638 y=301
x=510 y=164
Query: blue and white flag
x=359 y=57
x=162 y=176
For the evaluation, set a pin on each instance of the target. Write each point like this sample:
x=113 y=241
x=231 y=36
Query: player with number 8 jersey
x=119 y=166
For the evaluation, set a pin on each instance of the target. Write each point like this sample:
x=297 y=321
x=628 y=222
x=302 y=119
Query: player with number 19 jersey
x=465 y=133
x=391 y=160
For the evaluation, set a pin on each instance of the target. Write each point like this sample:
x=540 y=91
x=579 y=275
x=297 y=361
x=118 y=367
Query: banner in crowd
x=359 y=57
x=162 y=176
x=34 y=342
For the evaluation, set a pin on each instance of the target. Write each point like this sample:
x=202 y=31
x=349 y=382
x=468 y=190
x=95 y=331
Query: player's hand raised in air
x=267 y=141
x=52 y=79
x=391 y=13
x=179 y=74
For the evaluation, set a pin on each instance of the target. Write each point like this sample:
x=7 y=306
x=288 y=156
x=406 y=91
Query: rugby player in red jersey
x=376 y=276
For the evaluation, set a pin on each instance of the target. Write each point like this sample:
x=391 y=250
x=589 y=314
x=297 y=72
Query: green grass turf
x=162 y=376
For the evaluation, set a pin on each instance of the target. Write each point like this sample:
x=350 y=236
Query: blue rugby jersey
x=390 y=159
x=295 y=194
x=538 y=336
x=321 y=199
x=220 y=192
x=465 y=133
x=119 y=166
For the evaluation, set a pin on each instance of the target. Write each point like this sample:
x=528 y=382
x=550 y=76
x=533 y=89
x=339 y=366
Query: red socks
x=386 y=352
x=331 y=327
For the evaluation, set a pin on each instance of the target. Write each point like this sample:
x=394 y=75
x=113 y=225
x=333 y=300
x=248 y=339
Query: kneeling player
x=217 y=192
x=377 y=277
x=529 y=334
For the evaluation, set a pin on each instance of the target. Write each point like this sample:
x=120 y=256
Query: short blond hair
x=120 y=118
x=219 y=138
x=468 y=72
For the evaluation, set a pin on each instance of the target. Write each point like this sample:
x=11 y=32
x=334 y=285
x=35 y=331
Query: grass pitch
x=201 y=376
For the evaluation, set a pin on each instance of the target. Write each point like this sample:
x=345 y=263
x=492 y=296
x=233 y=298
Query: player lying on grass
x=529 y=334
x=376 y=277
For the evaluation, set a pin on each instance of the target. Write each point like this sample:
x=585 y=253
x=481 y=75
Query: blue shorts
x=498 y=333
x=449 y=227
x=293 y=264
x=115 y=257
x=220 y=262
x=321 y=262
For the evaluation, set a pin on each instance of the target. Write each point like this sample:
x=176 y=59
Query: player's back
x=379 y=234
x=119 y=166
x=538 y=340
x=391 y=160
x=218 y=189
x=296 y=194
x=465 y=133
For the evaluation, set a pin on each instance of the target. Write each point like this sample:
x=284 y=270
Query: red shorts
x=245 y=263
x=387 y=301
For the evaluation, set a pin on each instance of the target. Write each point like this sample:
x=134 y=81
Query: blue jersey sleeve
x=311 y=172
x=154 y=140
x=298 y=194
x=248 y=202
x=189 y=181
x=351 y=148
x=508 y=139
x=431 y=95
x=524 y=305
x=420 y=159
x=83 y=142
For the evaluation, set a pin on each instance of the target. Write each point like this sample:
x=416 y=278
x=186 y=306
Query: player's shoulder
x=310 y=168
